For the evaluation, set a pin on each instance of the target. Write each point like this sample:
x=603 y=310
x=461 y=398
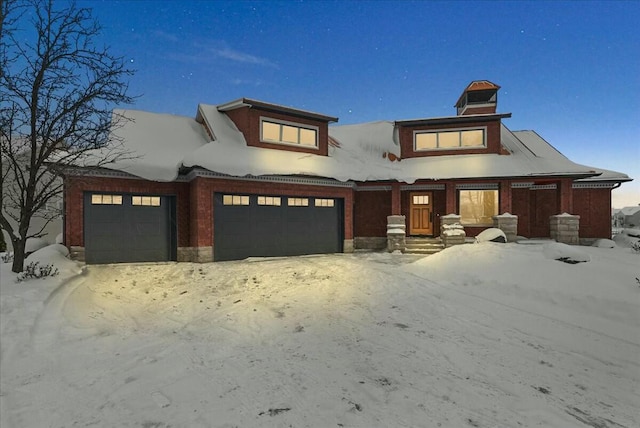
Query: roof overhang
x=453 y=119
x=247 y=102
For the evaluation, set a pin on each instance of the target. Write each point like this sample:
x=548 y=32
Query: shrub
x=35 y=270
x=3 y=244
x=636 y=247
x=7 y=257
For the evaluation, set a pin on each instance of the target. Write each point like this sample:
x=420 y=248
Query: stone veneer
x=508 y=223
x=396 y=233
x=565 y=228
x=451 y=231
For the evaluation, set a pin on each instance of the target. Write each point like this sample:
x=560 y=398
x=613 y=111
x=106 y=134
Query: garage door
x=262 y=225
x=128 y=228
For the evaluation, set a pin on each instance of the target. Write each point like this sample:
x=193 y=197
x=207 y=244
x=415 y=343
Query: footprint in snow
x=160 y=399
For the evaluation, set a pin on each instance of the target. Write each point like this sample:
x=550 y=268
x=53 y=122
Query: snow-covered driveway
x=479 y=335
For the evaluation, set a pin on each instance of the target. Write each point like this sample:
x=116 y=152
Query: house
x=627 y=217
x=251 y=178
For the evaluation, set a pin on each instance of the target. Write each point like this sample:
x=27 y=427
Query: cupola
x=479 y=97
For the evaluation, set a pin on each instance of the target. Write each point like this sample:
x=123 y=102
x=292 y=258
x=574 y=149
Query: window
x=421 y=200
x=298 y=202
x=145 y=201
x=465 y=138
x=106 y=199
x=235 y=200
x=272 y=131
x=324 y=202
x=477 y=207
x=269 y=200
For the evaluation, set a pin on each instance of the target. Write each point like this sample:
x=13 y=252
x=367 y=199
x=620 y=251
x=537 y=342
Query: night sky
x=568 y=70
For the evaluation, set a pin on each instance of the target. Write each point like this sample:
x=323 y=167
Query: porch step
x=423 y=245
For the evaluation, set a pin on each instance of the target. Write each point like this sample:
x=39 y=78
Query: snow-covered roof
x=630 y=210
x=164 y=143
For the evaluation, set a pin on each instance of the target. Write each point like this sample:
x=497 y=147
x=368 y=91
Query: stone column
x=396 y=233
x=565 y=228
x=508 y=223
x=451 y=231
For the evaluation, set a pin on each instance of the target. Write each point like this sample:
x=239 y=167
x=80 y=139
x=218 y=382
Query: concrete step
x=423 y=245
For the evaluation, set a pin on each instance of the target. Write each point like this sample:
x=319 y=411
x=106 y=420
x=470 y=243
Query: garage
x=129 y=228
x=268 y=226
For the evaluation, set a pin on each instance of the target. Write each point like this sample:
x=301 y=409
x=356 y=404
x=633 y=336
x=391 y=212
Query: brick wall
x=594 y=208
x=493 y=139
x=370 y=213
x=248 y=122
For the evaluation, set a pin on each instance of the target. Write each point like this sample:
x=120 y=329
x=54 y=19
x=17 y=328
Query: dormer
x=480 y=97
x=278 y=127
x=475 y=130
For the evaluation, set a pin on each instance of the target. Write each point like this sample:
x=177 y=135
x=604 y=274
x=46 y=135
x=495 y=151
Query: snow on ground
x=481 y=335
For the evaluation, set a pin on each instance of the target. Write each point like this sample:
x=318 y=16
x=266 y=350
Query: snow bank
x=604 y=243
x=565 y=253
x=56 y=255
x=492 y=234
x=34 y=244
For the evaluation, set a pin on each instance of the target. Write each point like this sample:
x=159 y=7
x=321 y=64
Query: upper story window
x=449 y=139
x=282 y=132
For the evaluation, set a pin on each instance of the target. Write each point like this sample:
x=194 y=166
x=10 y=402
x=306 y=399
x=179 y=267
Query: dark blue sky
x=569 y=70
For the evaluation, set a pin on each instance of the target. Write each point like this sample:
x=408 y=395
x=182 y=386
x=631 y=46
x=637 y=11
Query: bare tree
x=56 y=93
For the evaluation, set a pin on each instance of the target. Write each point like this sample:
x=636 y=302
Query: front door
x=421 y=214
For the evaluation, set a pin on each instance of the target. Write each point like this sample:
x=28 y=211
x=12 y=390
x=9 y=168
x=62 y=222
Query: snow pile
x=34 y=244
x=477 y=335
x=565 y=253
x=628 y=238
x=493 y=234
x=604 y=243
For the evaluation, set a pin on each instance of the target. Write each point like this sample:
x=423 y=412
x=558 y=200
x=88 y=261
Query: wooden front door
x=421 y=213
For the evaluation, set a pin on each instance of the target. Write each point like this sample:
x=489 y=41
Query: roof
x=162 y=144
x=477 y=85
x=630 y=210
x=453 y=119
x=247 y=102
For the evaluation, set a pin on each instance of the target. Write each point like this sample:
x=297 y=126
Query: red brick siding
x=248 y=122
x=520 y=200
x=370 y=213
x=594 y=208
x=74 y=202
x=493 y=139
x=543 y=204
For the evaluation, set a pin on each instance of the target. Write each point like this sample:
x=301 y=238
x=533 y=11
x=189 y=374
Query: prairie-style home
x=250 y=178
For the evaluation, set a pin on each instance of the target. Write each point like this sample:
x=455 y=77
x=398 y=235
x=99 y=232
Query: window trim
x=102 y=195
x=298 y=125
x=324 y=202
x=480 y=189
x=296 y=201
x=146 y=201
x=263 y=201
x=459 y=130
x=235 y=202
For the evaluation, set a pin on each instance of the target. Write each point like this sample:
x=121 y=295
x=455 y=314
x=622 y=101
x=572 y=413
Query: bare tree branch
x=57 y=90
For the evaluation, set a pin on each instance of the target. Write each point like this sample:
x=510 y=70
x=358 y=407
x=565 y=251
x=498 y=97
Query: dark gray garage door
x=259 y=225
x=128 y=228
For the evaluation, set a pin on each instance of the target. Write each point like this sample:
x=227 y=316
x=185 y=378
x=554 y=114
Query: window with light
x=477 y=207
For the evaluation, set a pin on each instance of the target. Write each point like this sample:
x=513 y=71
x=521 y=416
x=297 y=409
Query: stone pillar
x=565 y=228
x=396 y=233
x=508 y=223
x=451 y=231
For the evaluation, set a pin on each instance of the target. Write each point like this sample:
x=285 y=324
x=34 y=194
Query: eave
x=453 y=119
x=247 y=102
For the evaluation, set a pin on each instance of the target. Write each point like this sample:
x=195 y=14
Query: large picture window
x=443 y=140
x=477 y=207
x=272 y=131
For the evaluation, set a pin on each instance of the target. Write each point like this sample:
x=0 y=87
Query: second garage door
x=267 y=226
